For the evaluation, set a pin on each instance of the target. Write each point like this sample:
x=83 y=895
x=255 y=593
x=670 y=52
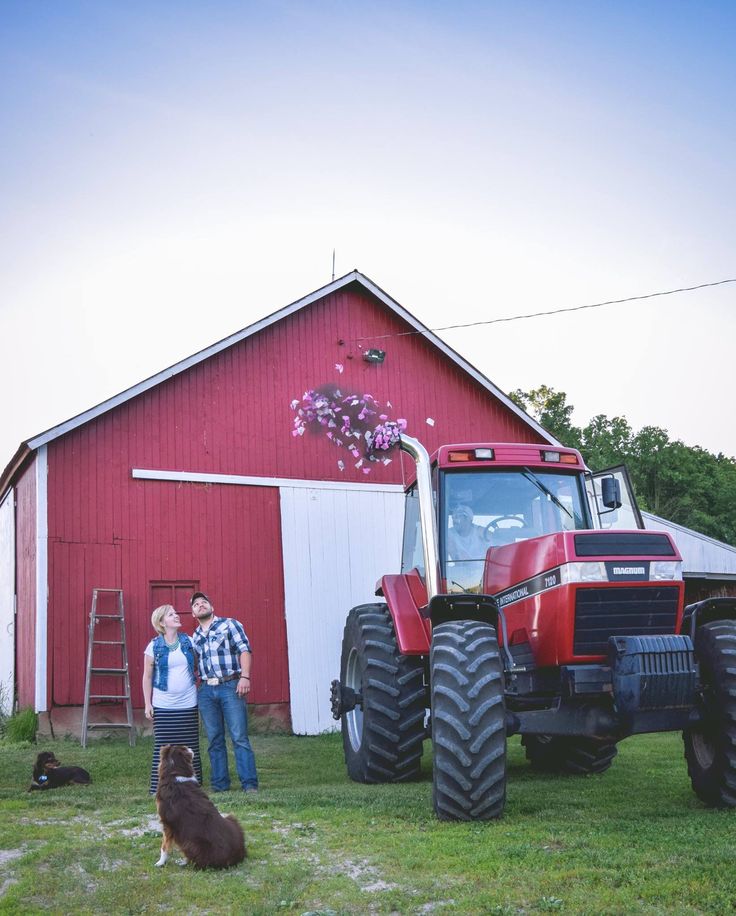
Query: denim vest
x=161 y=659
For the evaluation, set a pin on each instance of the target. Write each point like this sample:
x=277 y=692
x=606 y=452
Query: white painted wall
x=7 y=602
x=336 y=545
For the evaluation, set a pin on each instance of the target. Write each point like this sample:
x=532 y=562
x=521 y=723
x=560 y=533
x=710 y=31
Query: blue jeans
x=220 y=707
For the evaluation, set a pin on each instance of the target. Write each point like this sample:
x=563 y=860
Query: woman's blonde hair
x=157 y=618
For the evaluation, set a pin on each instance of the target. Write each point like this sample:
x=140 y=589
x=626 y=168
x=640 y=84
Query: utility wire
x=575 y=308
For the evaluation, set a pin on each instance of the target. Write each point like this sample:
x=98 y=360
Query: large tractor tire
x=577 y=756
x=468 y=722
x=382 y=739
x=710 y=747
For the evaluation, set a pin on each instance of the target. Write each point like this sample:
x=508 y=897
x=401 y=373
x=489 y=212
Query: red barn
x=197 y=478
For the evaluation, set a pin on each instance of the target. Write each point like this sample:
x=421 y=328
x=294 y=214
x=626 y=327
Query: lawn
x=633 y=840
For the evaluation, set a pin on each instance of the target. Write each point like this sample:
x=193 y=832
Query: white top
x=181 y=692
x=473 y=546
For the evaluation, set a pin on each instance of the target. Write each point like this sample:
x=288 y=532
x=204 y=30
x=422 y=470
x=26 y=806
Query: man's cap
x=199 y=595
x=462 y=510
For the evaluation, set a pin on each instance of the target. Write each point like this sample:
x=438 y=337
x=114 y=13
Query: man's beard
x=207 y=617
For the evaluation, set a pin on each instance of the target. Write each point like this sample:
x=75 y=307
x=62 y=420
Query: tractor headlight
x=584 y=572
x=665 y=569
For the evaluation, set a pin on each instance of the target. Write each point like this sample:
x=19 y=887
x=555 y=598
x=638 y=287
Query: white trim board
x=42 y=579
x=243 y=481
x=7 y=603
x=352 y=277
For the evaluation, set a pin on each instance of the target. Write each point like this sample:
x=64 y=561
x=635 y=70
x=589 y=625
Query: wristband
x=243 y=677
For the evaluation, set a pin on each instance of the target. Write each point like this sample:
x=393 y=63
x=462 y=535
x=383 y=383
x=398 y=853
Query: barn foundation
x=66 y=721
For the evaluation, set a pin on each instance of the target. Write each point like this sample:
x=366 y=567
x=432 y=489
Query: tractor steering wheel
x=492 y=527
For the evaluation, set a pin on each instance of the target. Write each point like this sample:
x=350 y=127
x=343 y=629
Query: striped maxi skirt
x=175 y=726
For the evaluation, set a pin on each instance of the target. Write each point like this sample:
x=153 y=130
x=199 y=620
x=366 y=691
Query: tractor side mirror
x=611 y=493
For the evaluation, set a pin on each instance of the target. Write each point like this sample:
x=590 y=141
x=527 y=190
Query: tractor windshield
x=482 y=509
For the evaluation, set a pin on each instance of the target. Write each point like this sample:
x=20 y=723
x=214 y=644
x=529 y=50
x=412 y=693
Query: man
x=467 y=545
x=224 y=668
x=465 y=540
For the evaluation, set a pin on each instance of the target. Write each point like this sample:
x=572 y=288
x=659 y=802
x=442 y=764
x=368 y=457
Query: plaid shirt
x=220 y=647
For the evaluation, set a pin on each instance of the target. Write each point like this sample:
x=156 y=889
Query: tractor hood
x=516 y=571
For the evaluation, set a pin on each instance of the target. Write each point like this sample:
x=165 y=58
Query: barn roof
x=354 y=277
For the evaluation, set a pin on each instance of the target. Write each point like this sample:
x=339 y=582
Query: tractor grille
x=617 y=544
x=604 y=612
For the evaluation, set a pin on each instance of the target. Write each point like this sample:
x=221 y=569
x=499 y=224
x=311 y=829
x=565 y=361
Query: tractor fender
x=707 y=611
x=403 y=597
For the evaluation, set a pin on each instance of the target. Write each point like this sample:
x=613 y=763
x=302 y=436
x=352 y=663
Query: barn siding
x=230 y=414
x=25 y=620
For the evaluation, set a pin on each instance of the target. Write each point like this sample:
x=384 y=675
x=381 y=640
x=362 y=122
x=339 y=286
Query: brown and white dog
x=48 y=773
x=189 y=819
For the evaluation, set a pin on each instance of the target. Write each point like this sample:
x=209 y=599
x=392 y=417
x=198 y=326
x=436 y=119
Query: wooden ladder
x=117 y=670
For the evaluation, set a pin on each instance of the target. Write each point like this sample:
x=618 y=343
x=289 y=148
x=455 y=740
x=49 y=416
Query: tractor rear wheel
x=578 y=756
x=468 y=722
x=710 y=747
x=382 y=739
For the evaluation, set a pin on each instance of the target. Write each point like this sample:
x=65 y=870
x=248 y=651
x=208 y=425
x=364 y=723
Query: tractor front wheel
x=468 y=722
x=578 y=756
x=710 y=747
x=382 y=736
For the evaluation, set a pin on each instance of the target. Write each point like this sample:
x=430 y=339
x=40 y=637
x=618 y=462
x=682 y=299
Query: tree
x=684 y=484
x=551 y=410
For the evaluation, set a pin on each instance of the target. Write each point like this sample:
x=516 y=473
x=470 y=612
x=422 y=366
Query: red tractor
x=520 y=608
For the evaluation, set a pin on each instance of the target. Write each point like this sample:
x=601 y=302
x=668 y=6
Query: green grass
x=633 y=840
x=22 y=726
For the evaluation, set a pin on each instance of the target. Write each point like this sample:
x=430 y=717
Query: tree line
x=682 y=483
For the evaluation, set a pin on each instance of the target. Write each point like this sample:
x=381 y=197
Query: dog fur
x=188 y=817
x=48 y=773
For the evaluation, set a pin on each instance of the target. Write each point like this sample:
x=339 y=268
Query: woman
x=169 y=690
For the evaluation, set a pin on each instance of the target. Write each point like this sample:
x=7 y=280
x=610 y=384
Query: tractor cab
x=488 y=497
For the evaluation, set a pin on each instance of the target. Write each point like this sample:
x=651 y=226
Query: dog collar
x=186 y=778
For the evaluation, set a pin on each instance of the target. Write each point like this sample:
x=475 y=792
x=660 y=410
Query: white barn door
x=336 y=545
x=7 y=602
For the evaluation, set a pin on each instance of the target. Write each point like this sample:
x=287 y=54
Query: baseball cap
x=462 y=510
x=199 y=595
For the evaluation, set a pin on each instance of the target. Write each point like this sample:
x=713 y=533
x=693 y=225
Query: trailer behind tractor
x=523 y=606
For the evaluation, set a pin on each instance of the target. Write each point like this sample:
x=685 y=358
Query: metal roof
x=703 y=557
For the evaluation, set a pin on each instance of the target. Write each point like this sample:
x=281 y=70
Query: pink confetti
x=339 y=367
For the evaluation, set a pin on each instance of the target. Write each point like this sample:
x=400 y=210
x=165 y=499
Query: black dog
x=48 y=773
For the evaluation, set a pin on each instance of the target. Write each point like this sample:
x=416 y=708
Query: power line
x=575 y=308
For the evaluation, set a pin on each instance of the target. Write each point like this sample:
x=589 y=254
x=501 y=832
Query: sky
x=171 y=172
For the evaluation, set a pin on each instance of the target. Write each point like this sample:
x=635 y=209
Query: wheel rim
x=354 y=718
x=703 y=748
x=703 y=738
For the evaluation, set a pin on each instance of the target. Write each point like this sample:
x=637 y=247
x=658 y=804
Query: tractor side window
x=627 y=515
x=412 y=554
